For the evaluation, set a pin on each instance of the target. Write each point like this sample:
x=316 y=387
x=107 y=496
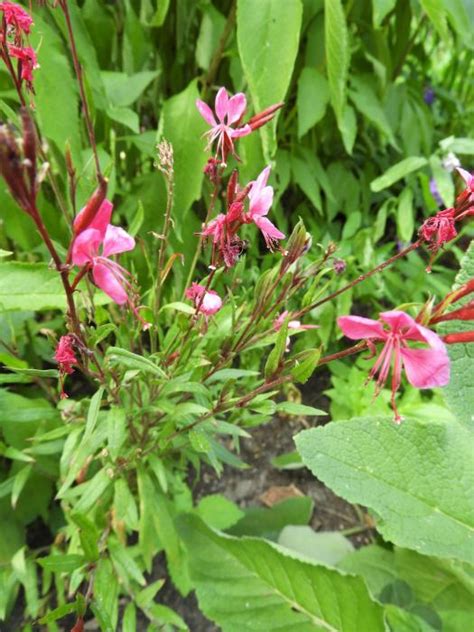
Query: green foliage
x=249 y=583
x=422 y=473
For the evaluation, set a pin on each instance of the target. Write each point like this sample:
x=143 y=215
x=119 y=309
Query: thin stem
x=210 y=210
x=359 y=279
x=80 y=81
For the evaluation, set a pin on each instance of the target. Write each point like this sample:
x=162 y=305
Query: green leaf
x=292 y=408
x=183 y=127
x=55 y=83
x=443 y=179
x=416 y=470
x=59 y=613
x=123 y=90
x=305 y=178
x=61 y=563
x=19 y=483
x=323 y=547
x=380 y=9
x=397 y=172
x=106 y=592
x=268 y=33
x=125 y=116
x=117 y=430
x=131 y=360
x=367 y=102
x=436 y=12
x=230 y=374
x=218 y=512
x=30 y=286
x=267 y=523
x=92 y=491
x=89 y=536
x=306 y=365
x=459 y=393
x=164 y=615
x=312 y=99
x=124 y=505
x=275 y=356
x=337 y=53
x=405 y=215
x=347 y=125
x=212 y=26
x=124 y=562
x=458 y=145
x=129 y=622
x=248 y=584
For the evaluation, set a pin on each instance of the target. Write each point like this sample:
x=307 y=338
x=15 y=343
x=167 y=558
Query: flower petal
x=397 y=319
x=211 y=303
x=245 y=130
x=109 y=283
x=206 y=112
x=117 y=240
x=358 y=327
x=426 y=368
x=267 y=228
x=236 y=107
x=261 y=202
x=222 y=102
x=86 y=246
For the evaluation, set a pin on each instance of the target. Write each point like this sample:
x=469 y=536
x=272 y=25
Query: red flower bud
x=462 y=336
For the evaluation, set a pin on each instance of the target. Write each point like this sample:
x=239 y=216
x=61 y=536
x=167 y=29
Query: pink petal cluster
x=424 y=367
x=223 y=229
x=27 y=57
x=94 y=247
x=16 y=17
x=205 y=301
x=228 y=113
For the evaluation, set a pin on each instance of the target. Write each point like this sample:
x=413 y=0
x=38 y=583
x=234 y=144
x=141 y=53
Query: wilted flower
x=425 y=368
x=66 y=358
x=96 y=244
x=228 y=113
x=28 y=61
x=206 y=301
x=261 y=198
x=438 y=230
x=16 y=17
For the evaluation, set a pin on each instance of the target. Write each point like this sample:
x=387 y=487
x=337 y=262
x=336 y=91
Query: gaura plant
x=156 y=383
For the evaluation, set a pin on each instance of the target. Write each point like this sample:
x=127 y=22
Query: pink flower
x=439 y=229
x=468 y=179
x=261 y=198
x=27 y=57
x=228 y=112
x=16 y=16
x=206 y=301
x=96 y=244
x=425 y=368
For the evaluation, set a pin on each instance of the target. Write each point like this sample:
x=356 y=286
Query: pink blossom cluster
x=16 y=26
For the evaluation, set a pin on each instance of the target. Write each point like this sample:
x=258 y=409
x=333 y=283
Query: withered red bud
x=232 y=186
x=91 y=208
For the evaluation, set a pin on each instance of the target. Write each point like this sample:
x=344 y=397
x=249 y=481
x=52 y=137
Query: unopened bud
x=90 y=210
x=265 y=116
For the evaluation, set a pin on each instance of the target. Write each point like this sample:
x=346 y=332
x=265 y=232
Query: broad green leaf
x=322 y=547
x=436 y=12
x=397 y=172
x=183 y=127
x=106 y=592
x=312 y=99
x=123 y=90
x=267 y=523
x=306 y=365
x=459 y=393
x=268 y=33
x=61 y=563
x=212 y=25
x=248 y=584
x=458 y=145
x=367 y=102
x=442 y=584
x=218 y=512
x=59 y=612
x=125 y=116
x=380 y=9
x=337 y=53
x=55 y=83
x=421 y=472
